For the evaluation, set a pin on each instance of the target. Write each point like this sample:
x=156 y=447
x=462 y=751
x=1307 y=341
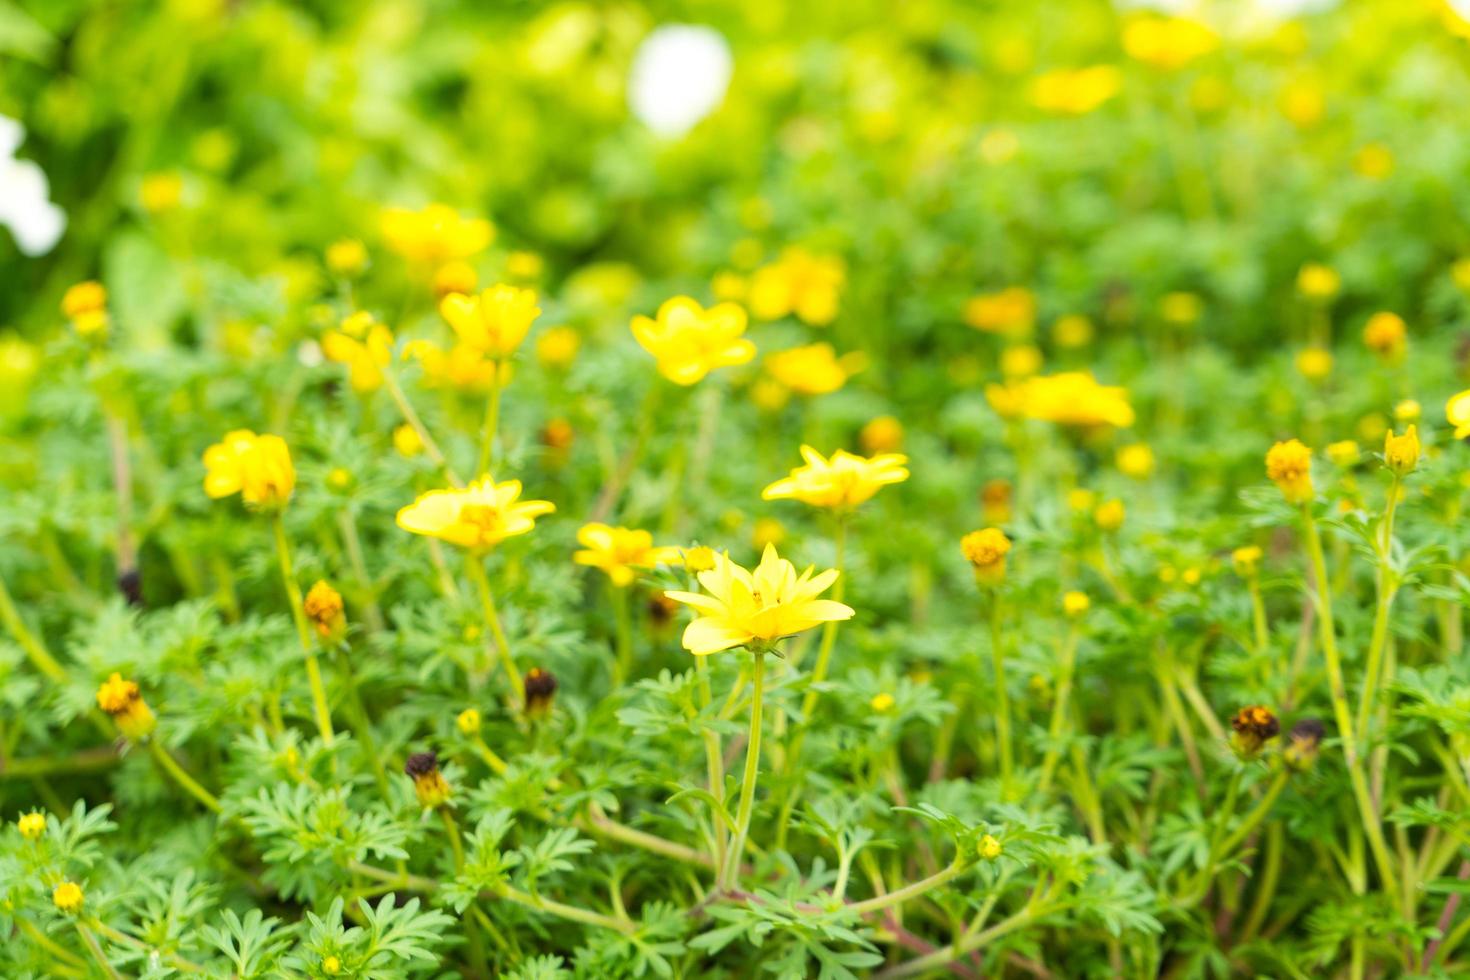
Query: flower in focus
x=814 y=369
x=1314 y=363
x=1457 y=413
x=1318 y=282
x=1075 y=91
x=618 y=551
x=67 y=896
x=365 y=346
x=477 y=516
x=1136 y=460
x=986 y=552
x=493 y=322
x=1072 y=398
x=124 y=702
x=1386 y=335
x=801 y=283
x=258 y=468
x=989 y=848
x=883 y=434
x=348 y=257
x=1010 y=311
x=1289 y=465
x=841 y=482
x=429 y=784
x=1253 y=727
x=31 y=825
x=435 y=234
x=689 y=342
x=1401 y=453
x=757 y=607
x=323 y=606
x=1168 y=43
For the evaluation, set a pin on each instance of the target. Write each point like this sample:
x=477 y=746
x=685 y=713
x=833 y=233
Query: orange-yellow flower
x=258 y=468
x=1168 y=43
x=843 y=481
x=1289 y=465
x=365 y=346
x=435 y=234
x=986 y=551
x=1386 y=335
x=124 y=702
x=478 y=516
x=1075 y=91
x=1010 y=311
x=1072 y=398
x=799 y=282
x=758 y=607
x=689 y=342
x=494 y=321
x=619 y=551
x=814 y=369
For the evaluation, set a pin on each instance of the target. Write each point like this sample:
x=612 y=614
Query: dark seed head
x=421 y=764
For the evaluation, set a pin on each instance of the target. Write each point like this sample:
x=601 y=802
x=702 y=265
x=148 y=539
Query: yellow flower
x=620 y=550
x=1343 y=453
x=1072 y=398
x=814 y=369
x=455 y=277
x=323 y=606
x=883 y=434
x=67 y=897
x=1289 y=465
x=558 y=346
x=478 y=516
x=1457 y=413
x=756 y=608
x=84 y=297
x=331 y=966
x=1407 y=410
x=1020 y=361
x=1080 y=500
x=801 y=283
x=31 y=825
x=468 y=721
x=1072 y=331
x=1136 y=460
x=1302 y=103
x=160 y=192
x=689 y=341
x=700 y=558
x=1181 y=309
x=435 y=234
x=767 y=531
x=122 y=700
x=258 y=468
x=1075 y=604
x=494 y=321
x=730 y=287
x=1246 y=560
x=1386 y=335
x=525 y=266
x=347 y=257
x=1318 y=282
x=1075 y=91
x=1109 y=515
x=429 y=784
x=769 y=395
x=407 y=441
x=1401 y=453
x=843 y=481
x=989 y=848
x=1011 y=311
x=986 y=551
x=882 y=703
x=365 y=346
x=1374 y=161
x=462 y=366
x=1314 y=363
x=1168 y=43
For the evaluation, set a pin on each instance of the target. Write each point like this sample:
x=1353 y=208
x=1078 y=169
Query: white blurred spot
x=679 y=76
x=25 y=197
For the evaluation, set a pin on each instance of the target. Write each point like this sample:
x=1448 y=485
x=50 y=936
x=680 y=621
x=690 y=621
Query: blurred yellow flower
x=1314 y=363
x=1246 y=560
x=455 y=277
x=1407 y=410
x=468 y=721
x=1302 y=103
x=1374 y=161
x=1020 y=361
x=1317 y=281
x=435 y=234
x=798 y=282
x=160 y=192
x=1109 y=515
x=699 y=558
x=882 y=702
x=769 y=395
x=1460 y=274
x=1076 y=91
x=347 y=257
x=557 y=347
x=1457 y=413
x=618 y=551
x=67 y=896
x=1072 y=398
x=1343 y=453
x=258 y=468
x=995 y=501
x=1168 y=43
x=841 y=482
x=1181 y=309
x=85 y=305
x=758 y=607
x=1072 y=331
x=462 y=367
x=365 y=346
x=1289 y=465
x=814 y=369
x=1386 y=335
x=525 y=266
x=1136 y=460
x=1010 y=311
x=1401 y=453
x=688 y=341
x=1075 y=604
x=883 y=434
x=493 y=322
x=986 y=552
x=124 y=702
x=729 y=287
x=478 y=516
x=407 y=441
x=31 y=825
x=767 y=531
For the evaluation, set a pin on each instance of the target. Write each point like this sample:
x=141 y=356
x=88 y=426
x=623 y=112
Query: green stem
x=171 y=766
x=624 y=626
x=1257 y=813
x=752 y=772
x=492 y=423
x=1258 y=616
x=1002 y=694
x=90 y=941
x=492 y=619
x=1266 y=891
x=39 y=656
x=412 y=418
x=1059 y=709
x=1386 y=591
x=909 y=891
x=714 y=762
x=48 y=944
x=303 y=630
x=829 y=638
x=363 y=724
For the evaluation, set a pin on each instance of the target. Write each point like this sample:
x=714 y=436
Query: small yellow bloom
x=883 y=434
x=462 y=367
x=468 y=721
x=455 y=277
x=493 y=322
x=1343 y=453
x=1303 y=103
x=841 y=482
x=1407 y=410
x=1181 y=309
x=1010 y=311
x=1109 y=515
x=688 y=341
x=814 y=369
x=407 y=441
x=258 y=468
x=84 y=297
x=800 y=282
x=769 y=395
x=1374 y=161
x=1246 y=560
x=1191 y=576
x=324 y=608
x=524 y=266
x=331 y=966
x=700 y=558
x=882 y=703
x=122 y=700
x=757 y=607
x=435 y=234
x=1386 y=335
x=67 y=897
x=986 y=551
x=1136 y=460
x=1075 y=604
x=767 y=531
x=478 y=516
x=348 y=257
x=1460 y=273
x=1289 y=465
x=1168 y=43
x=1072 y=331
x=1318 y=282
x=730 y=287
x=31 y=825
x=1080 y=500
x=1401 y=453
x=557 y=347
x=1075 y=91
x=365 y=346
x=989 y=848
x=1314 y=363
x=1072 y=398
x=339 y=478
x=429 y=784
x=619 y=551
x=1457 y=413
x=1020 y=361
x=160 y=192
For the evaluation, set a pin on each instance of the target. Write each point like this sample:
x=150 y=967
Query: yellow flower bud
x=67 y=897
x=1314 y=363
x=1246 y=561
x=1109 y=515
x=455 y=277
x=1289 y=465
x=882 y=703
x=324 y=608
x=468 y=721
x=883 y=434
x=1343 y=453
x=1401 y=453
x=31 y=825
x=347 y=257
x=1136 y=461
x=407 y=441
x=331 y=966
x=1407 y=410
x=1386 y=335
x=122 y=700
x=986 y=551
x=557 y=347
x=1318 y=282
x=1075 y=604
x=989 y=848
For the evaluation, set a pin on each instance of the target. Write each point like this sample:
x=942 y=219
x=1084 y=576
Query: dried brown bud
x=1303 y=744
x=1254 y=726
x=540 y=688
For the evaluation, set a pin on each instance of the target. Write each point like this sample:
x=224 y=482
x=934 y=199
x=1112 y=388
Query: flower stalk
x=303 y=630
